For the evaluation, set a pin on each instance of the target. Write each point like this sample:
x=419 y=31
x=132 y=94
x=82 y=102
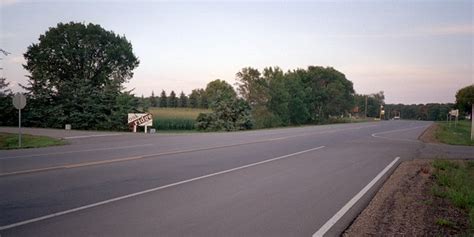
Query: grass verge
x=454 y=180
x=10 y=141
x=455 y=135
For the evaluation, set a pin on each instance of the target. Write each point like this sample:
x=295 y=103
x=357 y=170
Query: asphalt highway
x=302 y=181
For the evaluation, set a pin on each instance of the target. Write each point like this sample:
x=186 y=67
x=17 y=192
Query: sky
x=414 y=51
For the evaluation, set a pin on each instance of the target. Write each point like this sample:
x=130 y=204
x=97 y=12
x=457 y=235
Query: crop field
x=175 y=118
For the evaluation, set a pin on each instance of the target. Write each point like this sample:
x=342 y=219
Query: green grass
x=175 y=119
x=455 y=181
x=10 y=141
x=443 y=222
x=459 y=135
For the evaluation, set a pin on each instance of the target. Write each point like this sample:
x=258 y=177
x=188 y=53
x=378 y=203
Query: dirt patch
x=429 y=135
x=405 y=206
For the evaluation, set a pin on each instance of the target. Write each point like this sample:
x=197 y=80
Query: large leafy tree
x=219 y=90
x=278 y=94
x=252 y=87
x=203 y=100
x=465 y=99
x=194 y=99
x=76 y=76
x=330 y=92
x=298 y=103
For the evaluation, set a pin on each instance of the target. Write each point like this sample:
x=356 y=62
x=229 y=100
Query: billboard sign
x=140 y=119
x=454 y=112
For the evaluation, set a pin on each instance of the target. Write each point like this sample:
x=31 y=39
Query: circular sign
x=19 y=101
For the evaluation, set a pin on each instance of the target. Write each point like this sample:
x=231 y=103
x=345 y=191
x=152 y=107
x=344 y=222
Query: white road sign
x=454 y=112
x=19 y=101
x=140 y=119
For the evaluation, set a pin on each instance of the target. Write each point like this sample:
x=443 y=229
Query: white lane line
x=322 y=231
x=377 y=135
x=151 y=190
x=97 y=135
x=69 y=152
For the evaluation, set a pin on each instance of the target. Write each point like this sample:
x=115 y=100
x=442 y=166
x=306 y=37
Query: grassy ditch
x=10 y=141
x=454 y=181
x=455 y=135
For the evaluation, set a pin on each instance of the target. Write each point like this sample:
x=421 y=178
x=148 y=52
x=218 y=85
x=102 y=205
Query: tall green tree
x=163 y=99
x=330 y=92
x=279 y=95
x=172 y=100
x=183 y=100
x=252 y=87
x=298 y=106
x=153 y=100
x=465 y=99
x=203 y=100
x=218 y=90
x=255 y=90
x=77 y=73
x=8 y=114
x=194 y=99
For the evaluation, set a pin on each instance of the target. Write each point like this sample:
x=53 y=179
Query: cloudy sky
x=414 y=51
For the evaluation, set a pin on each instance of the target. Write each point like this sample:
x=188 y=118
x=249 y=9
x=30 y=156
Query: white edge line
x=97 y=135
x=322 y=231
x=150 y=190
x=398 y=130
x=377 y=135
x=79 y=151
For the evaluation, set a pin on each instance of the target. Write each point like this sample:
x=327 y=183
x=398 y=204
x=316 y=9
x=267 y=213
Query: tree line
x=77 y=72
x=269 y=98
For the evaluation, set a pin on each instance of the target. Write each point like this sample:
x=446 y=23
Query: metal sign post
x=19 y=101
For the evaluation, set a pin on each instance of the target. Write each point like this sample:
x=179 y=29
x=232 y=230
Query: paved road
x=280 y=182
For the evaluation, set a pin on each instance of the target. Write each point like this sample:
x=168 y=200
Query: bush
x=227 y=115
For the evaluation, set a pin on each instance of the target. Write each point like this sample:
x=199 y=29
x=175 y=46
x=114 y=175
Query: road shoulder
x=406 y=206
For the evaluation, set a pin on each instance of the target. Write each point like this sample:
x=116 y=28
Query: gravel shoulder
x=405 y=206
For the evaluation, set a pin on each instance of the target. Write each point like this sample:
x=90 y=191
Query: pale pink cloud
x=452 y=30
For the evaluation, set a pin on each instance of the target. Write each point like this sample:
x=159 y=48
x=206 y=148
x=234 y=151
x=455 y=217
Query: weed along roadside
x=455 y=134
x=454 y=181
x=10 y=141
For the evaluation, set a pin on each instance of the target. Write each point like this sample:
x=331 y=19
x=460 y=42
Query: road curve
x=278 y=182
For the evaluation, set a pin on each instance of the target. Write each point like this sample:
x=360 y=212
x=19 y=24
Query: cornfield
x=175 y=118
